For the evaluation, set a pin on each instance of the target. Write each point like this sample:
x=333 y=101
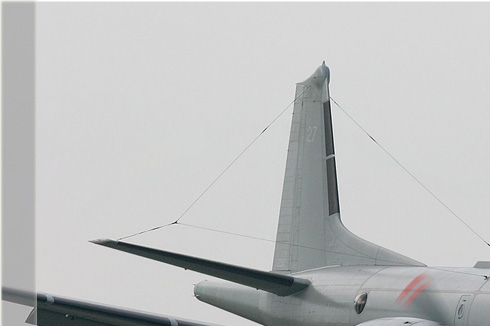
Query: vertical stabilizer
x=310 y=233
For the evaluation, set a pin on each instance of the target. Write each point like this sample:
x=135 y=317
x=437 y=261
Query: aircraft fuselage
x=450 y=296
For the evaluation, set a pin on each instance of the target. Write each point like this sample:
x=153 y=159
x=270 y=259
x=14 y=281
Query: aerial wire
x=177 y=221
x=221 y=174
x=409 y=173
x=260 y=134
x=301 y=246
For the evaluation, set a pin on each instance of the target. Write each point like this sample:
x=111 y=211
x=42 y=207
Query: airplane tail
x=310 y=232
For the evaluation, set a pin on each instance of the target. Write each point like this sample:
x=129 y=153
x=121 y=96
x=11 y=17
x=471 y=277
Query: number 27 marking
x=311 y=133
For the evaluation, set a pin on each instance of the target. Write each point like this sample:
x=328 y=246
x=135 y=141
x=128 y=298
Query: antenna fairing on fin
x=310 y=232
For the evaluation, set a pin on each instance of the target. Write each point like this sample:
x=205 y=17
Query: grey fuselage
x=449 y=296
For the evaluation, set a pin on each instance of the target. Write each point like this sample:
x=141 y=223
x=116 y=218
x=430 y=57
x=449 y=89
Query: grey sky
x=141 y=106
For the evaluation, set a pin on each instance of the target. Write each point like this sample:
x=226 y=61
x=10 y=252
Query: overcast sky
x=141 y=106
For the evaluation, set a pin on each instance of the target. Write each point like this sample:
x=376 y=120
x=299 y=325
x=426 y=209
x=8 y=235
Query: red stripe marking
x=410 y=287
x=416 y=293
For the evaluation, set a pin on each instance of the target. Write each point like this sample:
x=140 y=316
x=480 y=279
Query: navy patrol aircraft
x=322 y=274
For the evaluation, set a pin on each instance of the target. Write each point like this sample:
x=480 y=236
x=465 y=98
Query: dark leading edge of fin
x=310 y=232
x=333 y=192
x=281 y=285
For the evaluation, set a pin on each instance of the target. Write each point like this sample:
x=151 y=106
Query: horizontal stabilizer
x=281 y=285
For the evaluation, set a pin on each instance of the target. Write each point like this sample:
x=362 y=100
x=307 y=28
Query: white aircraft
x=322 y=274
